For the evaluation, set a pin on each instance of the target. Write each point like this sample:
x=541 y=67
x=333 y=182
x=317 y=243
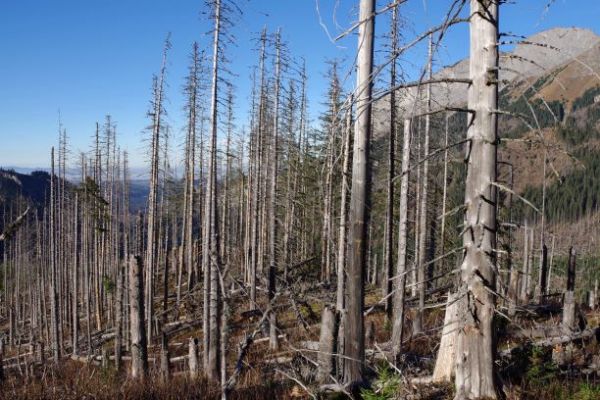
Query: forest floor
x=529 y=371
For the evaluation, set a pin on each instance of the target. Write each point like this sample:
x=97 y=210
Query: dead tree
x=388 y=261
x=569 y=304
x=354 y=340
x=400 y=277
x=193 y=357
x=327 y=341
x=187 y=248
x=543 y=274
x=342 y=242
x=56 y=345
x=445 y=362
x=139 y=346
x=524 y=289
x=152 y=229
x=211 y=250
x=475 y=342
x=273 y=342
x=119 y=318
x=332 y=127
x=165 y=363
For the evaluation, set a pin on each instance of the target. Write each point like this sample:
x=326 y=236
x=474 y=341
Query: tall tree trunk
x=388 y=262
x=400 y=277
x=342 y=242
x=119 y=316
x=139 y=345
x=211 y=257
x=422 y=254
x=569 y=304
x=56 y=346
x=354 y=340
x=273 y=342
x=476 y=344
x=152 y=241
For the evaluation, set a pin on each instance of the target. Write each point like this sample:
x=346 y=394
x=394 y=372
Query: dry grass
x=73 y=380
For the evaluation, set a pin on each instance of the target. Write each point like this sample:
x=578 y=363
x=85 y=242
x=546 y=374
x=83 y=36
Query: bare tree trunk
x=211 y=256
x=400 y=277
x=549 y=283
x=354 y=340
x=476 y=344
x=56 y=347
x=165 y=367
x=543 y=276
x=273 y=342
x=139 y=346
x=422 y=254
x=119 y=318
x=332 y=126
x=187 y=248
x=388 y=262
x=342 y=242
x=525 y=274
x=445 y=362
x=327 y=344
x=75 y=277
x=444 y=196
x=569 y=305
x=152 y=239
x=193 y=357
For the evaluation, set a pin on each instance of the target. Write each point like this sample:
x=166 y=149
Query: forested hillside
x=431 y=232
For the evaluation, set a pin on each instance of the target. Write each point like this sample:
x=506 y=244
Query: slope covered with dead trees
x=383 y=247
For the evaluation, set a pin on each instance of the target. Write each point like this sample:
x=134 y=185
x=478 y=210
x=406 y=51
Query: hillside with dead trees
x=430 y=232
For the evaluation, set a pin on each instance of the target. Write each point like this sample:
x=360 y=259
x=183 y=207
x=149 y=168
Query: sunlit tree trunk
x=476 y=343
x=354 y=340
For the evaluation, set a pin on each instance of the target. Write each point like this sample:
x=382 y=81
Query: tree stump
x=445 y=362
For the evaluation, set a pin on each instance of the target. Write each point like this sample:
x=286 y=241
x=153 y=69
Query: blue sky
x=96 y=57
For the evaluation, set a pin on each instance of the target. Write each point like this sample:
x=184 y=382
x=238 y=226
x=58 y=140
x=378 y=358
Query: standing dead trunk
x=524 y=289
x=187 y=248
x=327 y=341
x=56 y=350
x=211 y=257
x=139 y=347
x=273 y=342
x=193 y=357
x=445 y=362
x=119 y=319
x=342 y=242
x=422 y=254
x=475 y=342
x=543 y=275
x=400 y=277
x=354 y=340
x=75 y=278
x=569 y=304
x=152 y=241
x=165 y=366
x=549 y=281
x=388 y=261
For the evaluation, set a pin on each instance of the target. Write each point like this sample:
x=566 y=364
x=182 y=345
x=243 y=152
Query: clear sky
x=89 y=58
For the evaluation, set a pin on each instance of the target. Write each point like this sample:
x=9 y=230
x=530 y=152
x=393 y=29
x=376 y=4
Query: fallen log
x=556 y=340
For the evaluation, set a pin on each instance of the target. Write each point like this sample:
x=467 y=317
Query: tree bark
x=327 y=341
x=445 y=362
x=475 y=342
x=400 y=278
x=354 y=340
x=139 y=347
x=569 y=304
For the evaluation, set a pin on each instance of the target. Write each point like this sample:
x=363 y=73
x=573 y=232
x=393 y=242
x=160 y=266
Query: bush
x=385 y=387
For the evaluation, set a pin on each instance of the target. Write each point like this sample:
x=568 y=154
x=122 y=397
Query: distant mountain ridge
x=570 y=55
